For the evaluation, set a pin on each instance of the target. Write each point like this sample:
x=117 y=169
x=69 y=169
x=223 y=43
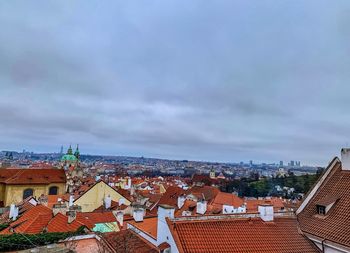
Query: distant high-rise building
x=292 y=163
x=251 y=163
x=281 y=163
x=61 y=152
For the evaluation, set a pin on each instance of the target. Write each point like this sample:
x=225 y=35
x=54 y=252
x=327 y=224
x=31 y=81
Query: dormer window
x=321 y=210
x=324 y=205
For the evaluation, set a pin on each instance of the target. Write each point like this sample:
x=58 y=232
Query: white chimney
x=121 y=201
x=13 y=212
x=129 y=183
x=164 y=211
x=119 y=215
x=181 y=201
x=71 y=200
x=266 y=212
x=137 y=214
x=201 y=206
x=108 y=202
x=345 y=158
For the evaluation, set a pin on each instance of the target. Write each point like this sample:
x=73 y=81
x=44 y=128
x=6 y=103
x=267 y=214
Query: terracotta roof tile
x=59 y=223
x=240 y=235
x=333 y=226
x=32 y=176
x=148 y=225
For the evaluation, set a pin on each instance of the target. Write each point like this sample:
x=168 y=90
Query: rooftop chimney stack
x=121 y=201
x=71 y=200
x=164 y=211
x=13 y=212
x=345 y=158
x=108 y=202
x=119 y=215
x=71 y=216
x=181 y=201
x=201 y=206
x=266 y=212
x=138 y=214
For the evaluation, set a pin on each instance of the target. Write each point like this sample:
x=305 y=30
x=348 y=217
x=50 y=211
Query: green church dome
x=69 y=158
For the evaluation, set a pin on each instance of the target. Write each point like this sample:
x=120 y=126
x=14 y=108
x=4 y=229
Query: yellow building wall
x=94 y=197
x=14 y=193
x=2 y=192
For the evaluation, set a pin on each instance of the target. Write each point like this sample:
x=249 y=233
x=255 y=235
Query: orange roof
x=206 y=192
x=171 y=195
x=334 y=226
x=240 y=235
x=92 y=218
x=252 y=204
x=32 y=176
x=223 y=198
x=148 y=226
x=59 y=223
x=53 y=199
x=31 y=222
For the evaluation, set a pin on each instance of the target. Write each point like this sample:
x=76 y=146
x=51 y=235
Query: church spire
x=77 y=153
x=70 y=151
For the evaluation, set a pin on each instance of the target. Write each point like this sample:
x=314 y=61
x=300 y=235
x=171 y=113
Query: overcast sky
x=204 y=80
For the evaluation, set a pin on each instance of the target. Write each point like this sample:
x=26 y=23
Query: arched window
x=53 y=190
x=27 y=193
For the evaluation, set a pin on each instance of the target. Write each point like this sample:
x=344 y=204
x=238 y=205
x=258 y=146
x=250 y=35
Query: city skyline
x=213 y=81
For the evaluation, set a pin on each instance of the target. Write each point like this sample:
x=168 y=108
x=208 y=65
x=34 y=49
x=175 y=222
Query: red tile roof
x=59 y=223
x=171 y=195
x=223 y=198
x=32 y=176
x=148 y=226
x=127 y=241
x=31 y=222
x=252 y=204
x=240 y=235
x=335 y=225
x=92 y=218
x=207 y=192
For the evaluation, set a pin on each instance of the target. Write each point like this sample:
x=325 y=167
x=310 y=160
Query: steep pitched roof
x=171 y=195
x=59 y=223
x=31 y=222
x=240 y=235
x=206 y=192
x=32 y=176
x=334 y=226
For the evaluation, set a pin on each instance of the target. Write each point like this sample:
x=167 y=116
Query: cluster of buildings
x=121 y=213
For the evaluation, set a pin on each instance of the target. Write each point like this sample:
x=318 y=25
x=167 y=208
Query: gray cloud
x=214 y=80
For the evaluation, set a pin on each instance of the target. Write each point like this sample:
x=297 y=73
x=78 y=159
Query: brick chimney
x=59 y=208
x=266 y=212
x=345 y=158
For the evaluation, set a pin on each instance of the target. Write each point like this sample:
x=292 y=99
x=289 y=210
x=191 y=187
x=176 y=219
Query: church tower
x=212 y=173
x=71 y=164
